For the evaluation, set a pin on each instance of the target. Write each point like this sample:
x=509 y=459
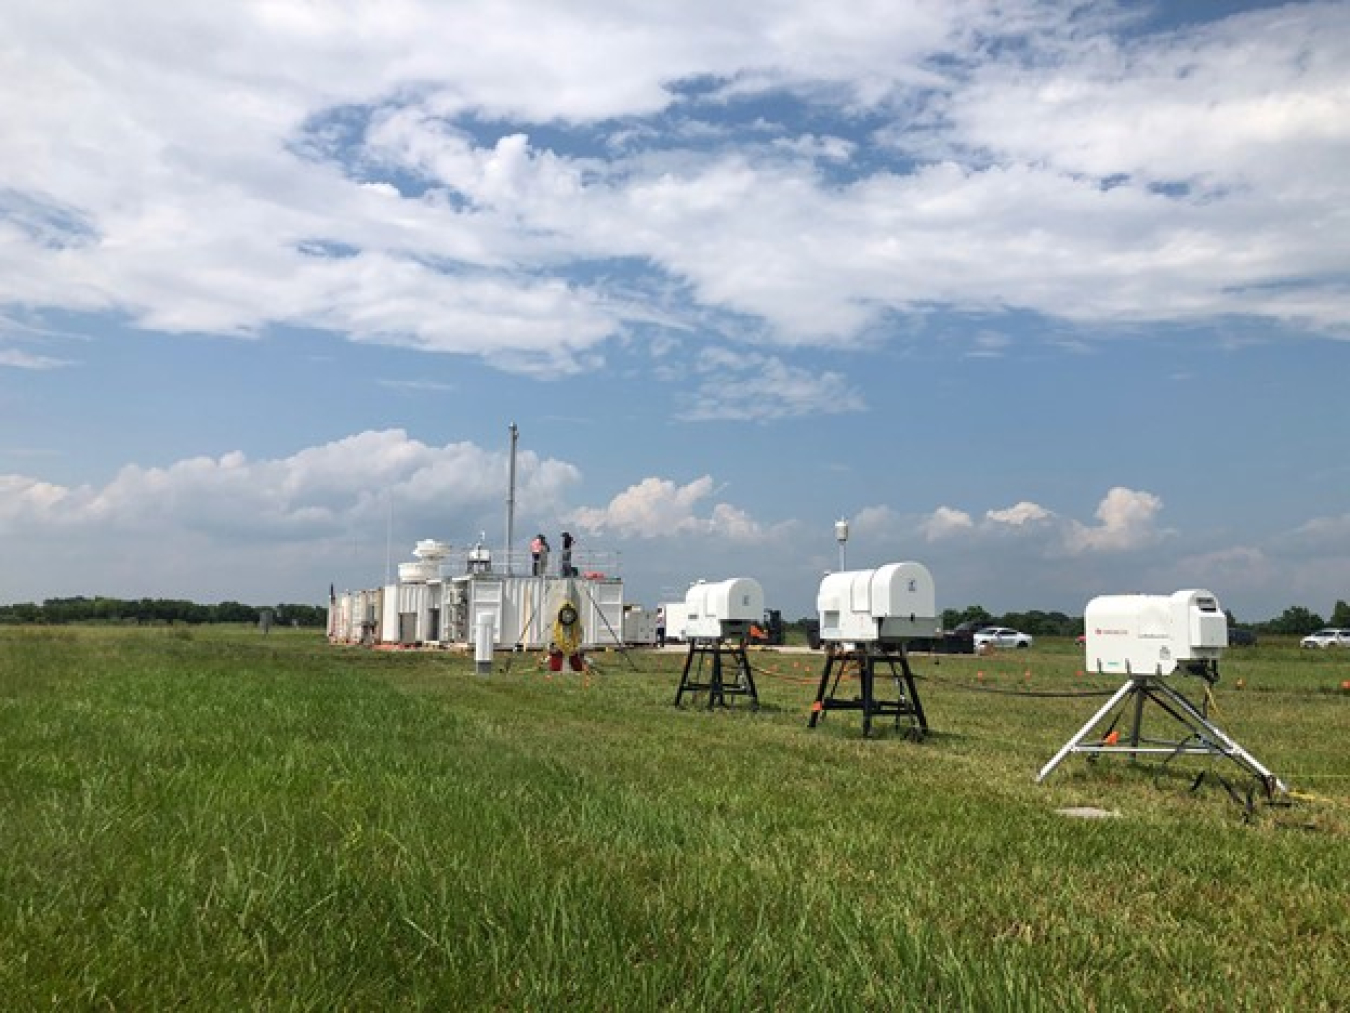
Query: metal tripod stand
x=1205 y=738
x=868 y=658
x=718 y=685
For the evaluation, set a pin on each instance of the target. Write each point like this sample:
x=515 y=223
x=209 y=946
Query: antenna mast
x=388 y=540
x=511 y=500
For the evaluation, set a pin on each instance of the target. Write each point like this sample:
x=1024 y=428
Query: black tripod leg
x=818 y=707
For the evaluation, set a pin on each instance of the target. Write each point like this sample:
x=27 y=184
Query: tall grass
x=218 y=819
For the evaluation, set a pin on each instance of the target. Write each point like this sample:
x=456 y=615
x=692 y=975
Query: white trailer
x=639 y=626
x=523 y=609
x=442 y=601
x=673 y=616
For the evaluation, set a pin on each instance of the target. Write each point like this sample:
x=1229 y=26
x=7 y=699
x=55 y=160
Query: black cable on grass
x=1067 y=695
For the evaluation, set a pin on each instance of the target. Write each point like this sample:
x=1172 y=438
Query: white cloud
x=1020 y=515
x=1171 y=177
x=1024 y=519
x=263 y=529
x=418 y=386
x=946 y=522
x=989 y=345
x=1220 y=103
x=16 y=359
x=1320 y=536
x=749 y=386
x=1126 y=519
x=658 y=508
x=875 y=520
x=317 y=493
x=1242 y=568
x=23 y=497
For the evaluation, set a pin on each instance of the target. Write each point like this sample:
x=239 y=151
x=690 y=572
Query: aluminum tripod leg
x=1230 y=748
x=1213 y=741
x=1083 y=732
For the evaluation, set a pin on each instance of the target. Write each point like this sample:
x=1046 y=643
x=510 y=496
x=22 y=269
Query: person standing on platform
x=565 y=564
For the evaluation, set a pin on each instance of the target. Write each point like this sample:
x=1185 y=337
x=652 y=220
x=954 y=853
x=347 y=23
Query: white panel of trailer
x=522 y=611
x=639 y=626
x=604 y=617
x=487 y=599
x=389 y=615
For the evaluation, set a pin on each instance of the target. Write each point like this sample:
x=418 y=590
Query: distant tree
x=67 y=610
x=234 y=612
x=153 y=611
x=1340 y=615
x=1296 y=621
x=975 y=614
x=1042 y=624
x=24 y=612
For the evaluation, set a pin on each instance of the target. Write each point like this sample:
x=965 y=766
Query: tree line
x=157 y=612
x=1297 y=620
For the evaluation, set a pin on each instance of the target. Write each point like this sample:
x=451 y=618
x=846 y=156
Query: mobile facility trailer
x=440 y=600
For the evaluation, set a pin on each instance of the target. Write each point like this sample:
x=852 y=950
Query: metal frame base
x=1205 y=738
x=716 y=683
x=906 y=704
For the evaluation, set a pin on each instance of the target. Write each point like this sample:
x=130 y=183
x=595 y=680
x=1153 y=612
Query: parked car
x=1001 y=636
x=960 y=640
x=1241 y=638
x=1327 y=638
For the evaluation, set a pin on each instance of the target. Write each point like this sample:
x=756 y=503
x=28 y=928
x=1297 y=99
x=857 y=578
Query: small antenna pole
x=511 y=499
x=388 y=540
x=841 y=536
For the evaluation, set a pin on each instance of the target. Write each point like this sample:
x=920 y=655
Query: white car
x=1327 y=638
x=1001 y=636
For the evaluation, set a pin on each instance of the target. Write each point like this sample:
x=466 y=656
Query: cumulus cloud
x=318 y=493
x=1126 y=521
x=946 y=522
x=1020 y=515
x=658 y=508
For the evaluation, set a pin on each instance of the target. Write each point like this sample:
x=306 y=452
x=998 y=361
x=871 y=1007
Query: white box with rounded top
x=726 y=608
x=892 y=603
x=1151 y=634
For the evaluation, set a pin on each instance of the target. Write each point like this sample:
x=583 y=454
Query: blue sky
x=1052 y=298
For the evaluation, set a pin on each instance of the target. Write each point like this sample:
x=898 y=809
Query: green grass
x=217 y=819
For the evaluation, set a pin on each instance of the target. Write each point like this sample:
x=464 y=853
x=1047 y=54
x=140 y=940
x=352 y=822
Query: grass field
x=214 y=819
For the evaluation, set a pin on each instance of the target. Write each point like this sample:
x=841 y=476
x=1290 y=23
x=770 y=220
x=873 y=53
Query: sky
x=1051 y=297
